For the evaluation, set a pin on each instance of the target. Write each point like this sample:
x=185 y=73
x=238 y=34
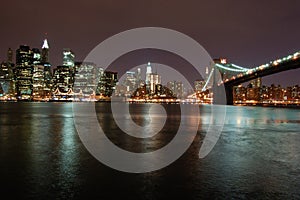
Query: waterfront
x=42 y=157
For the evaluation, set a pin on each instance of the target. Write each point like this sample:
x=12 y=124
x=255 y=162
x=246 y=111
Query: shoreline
x=297 y=106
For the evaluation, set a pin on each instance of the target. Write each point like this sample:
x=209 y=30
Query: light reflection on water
x=257 y=156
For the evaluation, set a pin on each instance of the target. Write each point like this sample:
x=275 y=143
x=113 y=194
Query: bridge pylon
x=219 y=91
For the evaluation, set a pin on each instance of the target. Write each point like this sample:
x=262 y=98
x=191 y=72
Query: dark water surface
x=42 y=157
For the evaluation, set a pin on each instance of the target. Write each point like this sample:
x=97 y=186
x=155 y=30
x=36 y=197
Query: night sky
x=248 y=33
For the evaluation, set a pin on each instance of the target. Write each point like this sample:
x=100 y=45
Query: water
x=42 y=157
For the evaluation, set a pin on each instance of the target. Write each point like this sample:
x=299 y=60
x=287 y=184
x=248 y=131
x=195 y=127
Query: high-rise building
x=68 y=58
x=176 y=87
x=36 y=56
x=107 y=83
x=24 y=71
x=155 y=79
x=7 y=81
x=62 y=79
x=199 y=84
x=130 y=82
x=85 y=78
x=45 y=52
x=38 y=82
x=256 y=83
x=10 y=55
x=47 y=66
x=148 y=72
x=139 y=75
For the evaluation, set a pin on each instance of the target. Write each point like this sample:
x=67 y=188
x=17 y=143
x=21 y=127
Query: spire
x=45 y=44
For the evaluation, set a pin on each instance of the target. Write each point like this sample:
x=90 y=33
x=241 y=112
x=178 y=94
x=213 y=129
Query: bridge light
x=223 y=61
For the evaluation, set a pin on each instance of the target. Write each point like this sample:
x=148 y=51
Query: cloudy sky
x=248 y=33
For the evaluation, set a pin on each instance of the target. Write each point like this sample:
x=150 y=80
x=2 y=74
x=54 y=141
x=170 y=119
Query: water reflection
x=257 y=156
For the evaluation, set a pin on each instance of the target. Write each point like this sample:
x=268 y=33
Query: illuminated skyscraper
x=47 y=66
x=68 y=58
x=176 y=87
x=7 y=81
x=148 y=73
x=24 y=71
x=139 y=77
x=36 y=56
x=155 y=79
x=107 y=83
x=85 y=78
x=131 y=81
x=45 y=52
x=62 y=79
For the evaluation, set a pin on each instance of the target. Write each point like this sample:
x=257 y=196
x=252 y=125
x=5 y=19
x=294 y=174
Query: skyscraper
x=85 y=78
x=68 y=58
x=62 y=79
x=107 y=83
x=45 y=52
x=47 y=66
x=130 y=82
x=139 y=77
x=10 y=55
x=148 y=72
x=36 y=56
x=24 y=71
x=155 y=79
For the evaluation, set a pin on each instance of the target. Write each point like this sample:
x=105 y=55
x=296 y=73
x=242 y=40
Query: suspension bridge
x=223 y=77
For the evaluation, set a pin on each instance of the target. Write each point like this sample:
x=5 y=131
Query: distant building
x=38 y=82
x=155 y=79
x=24 y=72
x=256 y=83
x=85 y=78
x=36 y=56
x=47 y=66
x=198 y=85
x=253 y=93
x=45 y=52
x=68 y=58
x=139 y=77
x=10 y=55
x=130 y=82
x=148 y=73
x=62 y=79
x=7 y=79
x=176 y=87
x=107 y=83
x=239 y=93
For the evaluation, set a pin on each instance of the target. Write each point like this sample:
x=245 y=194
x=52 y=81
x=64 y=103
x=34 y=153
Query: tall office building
x=45 y=52
x=130 y=81
x=24 y=71
x=10 y=55
x=38 y=82
x=62 y=79
x=107 y=83
x=155 y=79
x=256 y=83
x=85 y=78
x=176 y=87
x=7 y=81
x=7 y=76
x=36 y=56
x=198 y=85
x=148 y=72
x=47 y=66
x=68 y=58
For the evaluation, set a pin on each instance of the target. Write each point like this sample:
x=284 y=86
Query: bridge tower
x=219 y=91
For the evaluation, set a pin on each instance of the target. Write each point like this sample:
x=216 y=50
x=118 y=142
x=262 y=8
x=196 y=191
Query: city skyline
x=248 y=34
